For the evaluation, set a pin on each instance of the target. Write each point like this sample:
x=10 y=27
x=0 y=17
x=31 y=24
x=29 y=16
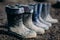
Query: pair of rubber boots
x=42 y=17
x=29 y=20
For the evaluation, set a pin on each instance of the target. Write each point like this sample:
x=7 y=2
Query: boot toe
x=41 y=31
x=32 y=34
x=50 y=24
x=46 y=27
x=53 y=21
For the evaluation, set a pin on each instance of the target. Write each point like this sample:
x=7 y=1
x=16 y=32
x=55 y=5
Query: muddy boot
x=49 y=17
x=15 y=22
x=42 y=14
x=36 y=20
x=27 y=20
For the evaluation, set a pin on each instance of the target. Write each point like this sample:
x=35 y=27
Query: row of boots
x=29 y=20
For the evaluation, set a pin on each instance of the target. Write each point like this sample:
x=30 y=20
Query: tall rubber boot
x=15 y=22
x=36 y=19
x=48 y=17
x=42 y=14
x=27 y=20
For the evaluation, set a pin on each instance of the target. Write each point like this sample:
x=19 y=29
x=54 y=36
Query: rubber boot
x=42 y=14
x=27 y=20
x=49 y=17
x=36 y=19
x=16 y=25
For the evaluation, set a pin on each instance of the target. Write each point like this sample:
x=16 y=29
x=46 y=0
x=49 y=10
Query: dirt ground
x=52 y=34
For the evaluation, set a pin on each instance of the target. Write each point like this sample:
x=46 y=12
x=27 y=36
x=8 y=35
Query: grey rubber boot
x=36 y=20
x=27 y=20
x=42 y=14
x=48 y=16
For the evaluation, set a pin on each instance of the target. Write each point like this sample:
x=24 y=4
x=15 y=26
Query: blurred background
x=52 y=34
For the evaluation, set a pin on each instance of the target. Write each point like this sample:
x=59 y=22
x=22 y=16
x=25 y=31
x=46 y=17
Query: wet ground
x=52 y=34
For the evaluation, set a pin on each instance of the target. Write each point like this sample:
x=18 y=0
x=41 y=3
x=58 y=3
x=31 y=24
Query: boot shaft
x=45 y=10
x=41 y=8
x=14 y=16
x=36 y=11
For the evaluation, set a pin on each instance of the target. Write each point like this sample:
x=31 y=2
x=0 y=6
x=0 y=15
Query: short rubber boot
x=42 y=14
x=49 y=17
x=16 y=25
x=27 y=20
x=35 y=19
